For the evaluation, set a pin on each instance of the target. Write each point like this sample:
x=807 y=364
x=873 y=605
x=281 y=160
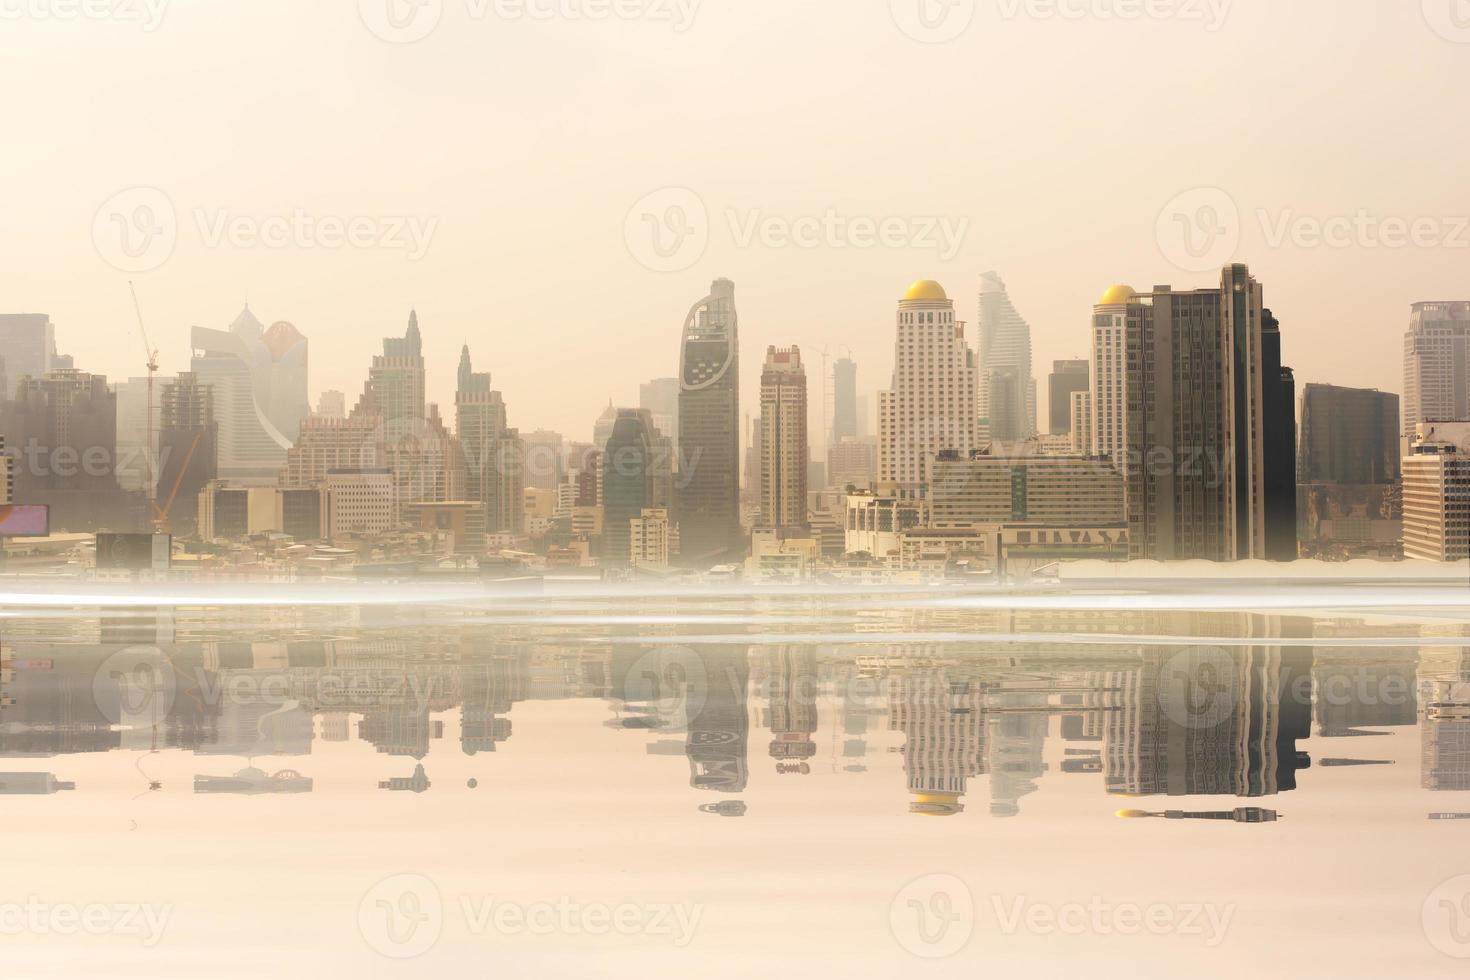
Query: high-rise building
x=188 y=451
x=708 y=497
x=494 y=453
x=1437 y=492
x=1436 y=363
x=1278 y=385
x=137 y=434
x=259 y=379
x=851 y=463
x=627 y=481
x=1080 y=408
x=1067 y=378
x=1109 y=384
x=395 y=386
x=1198 y=425
x=784 y=451
x=661 y=397
x=28 y=344
x=1005 y=362
x=543 y=458
x=1348 y=497
x=930 y=406
x=844 y=401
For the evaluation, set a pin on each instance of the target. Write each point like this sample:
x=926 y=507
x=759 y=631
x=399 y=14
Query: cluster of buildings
x=1182 y=436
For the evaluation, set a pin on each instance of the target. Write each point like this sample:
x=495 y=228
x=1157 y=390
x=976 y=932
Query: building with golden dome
x=930 y=405
x=1106 y=408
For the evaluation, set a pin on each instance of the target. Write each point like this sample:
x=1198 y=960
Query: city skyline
x=502 y=246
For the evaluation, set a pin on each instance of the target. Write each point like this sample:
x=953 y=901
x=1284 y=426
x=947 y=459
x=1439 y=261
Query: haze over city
x=1048 y=144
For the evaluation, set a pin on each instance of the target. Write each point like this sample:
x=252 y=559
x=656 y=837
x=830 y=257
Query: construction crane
x=159 y=520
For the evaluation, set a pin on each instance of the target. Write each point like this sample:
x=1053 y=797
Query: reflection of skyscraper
x=1015 y=741
x=1444 y=697
x=942 y=716
x=792 y=692
x=1212 y=720
x=708 y=505
x=718 y=723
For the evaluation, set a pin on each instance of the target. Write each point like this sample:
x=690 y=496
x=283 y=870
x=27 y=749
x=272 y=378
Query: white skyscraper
x=931 y=404
x=1109 y=393
x=1436 y=364
x=1005 y=386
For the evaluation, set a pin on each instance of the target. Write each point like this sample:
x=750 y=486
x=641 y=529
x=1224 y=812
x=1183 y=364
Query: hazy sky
x=514 y=150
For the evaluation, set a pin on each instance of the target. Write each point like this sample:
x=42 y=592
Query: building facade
x=1056 y=491
x=1436 y=364
x=1006 y=384
x=1436 y=477
x=931 y=405
x=1067 y=378
x=784 y=453
x=708 y=489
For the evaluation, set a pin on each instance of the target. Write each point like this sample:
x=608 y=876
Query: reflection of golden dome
x=926 y=289
x=1117 y=296
x=1131 y=814
x=936 y=804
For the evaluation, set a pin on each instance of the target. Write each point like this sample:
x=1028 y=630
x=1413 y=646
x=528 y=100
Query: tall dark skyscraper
x=1066 y=377
x=708 y=498
x=1348 y=471
x=1204 y=376
x=627 y=480
x=1278 y=384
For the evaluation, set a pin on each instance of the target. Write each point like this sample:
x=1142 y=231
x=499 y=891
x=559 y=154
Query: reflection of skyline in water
x=971 y=721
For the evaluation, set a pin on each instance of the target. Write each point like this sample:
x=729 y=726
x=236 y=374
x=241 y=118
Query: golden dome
x=936 y=804
x=1117 y=296
x=926 y=289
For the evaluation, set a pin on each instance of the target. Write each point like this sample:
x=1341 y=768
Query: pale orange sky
x=526 y=142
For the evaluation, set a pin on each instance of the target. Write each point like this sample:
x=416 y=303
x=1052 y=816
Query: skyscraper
x=395 y=385
x=661 y=397
x=844 y=401
x=627 y=481
x=188 y=451
x=259 y=380
x=1108 y=406
x=1198 y=422
x=1005 y=348
x=28 y=345
x=1348 y=469
x=493 y=453
x=708 y=504
x=930 y=406
x=1436 y=364
x=1067 y=377
x=1437 y=492
x=1278 y=384
x=784 y=451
